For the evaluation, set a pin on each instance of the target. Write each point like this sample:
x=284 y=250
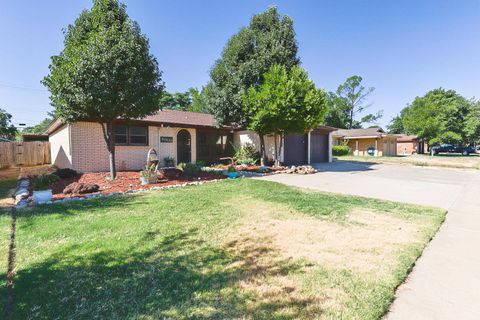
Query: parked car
x=452 y=148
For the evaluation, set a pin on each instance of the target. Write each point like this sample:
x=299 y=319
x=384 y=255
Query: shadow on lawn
x=182 y=277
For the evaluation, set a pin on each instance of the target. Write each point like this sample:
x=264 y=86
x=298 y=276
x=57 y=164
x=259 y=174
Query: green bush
x=189 y=168
x=340 y=150
x=43 y=181
x=247 y=154
x=169 y=162
x=201 y=163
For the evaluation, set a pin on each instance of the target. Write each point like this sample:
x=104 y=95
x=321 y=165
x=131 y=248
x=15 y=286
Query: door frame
x=182 y=131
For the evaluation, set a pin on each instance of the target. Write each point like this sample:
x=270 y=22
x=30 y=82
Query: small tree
x=286 y=102
x=7 y=129
x=105 y=71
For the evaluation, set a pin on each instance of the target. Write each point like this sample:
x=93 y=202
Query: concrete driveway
x=445 y=282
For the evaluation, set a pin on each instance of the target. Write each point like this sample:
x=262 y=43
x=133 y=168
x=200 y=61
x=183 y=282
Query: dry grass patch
x=273 y=236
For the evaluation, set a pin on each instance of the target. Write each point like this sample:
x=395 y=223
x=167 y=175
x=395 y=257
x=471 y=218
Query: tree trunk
x=275 y=135
x=262 y=149
x=110 y=141
x=280 y=147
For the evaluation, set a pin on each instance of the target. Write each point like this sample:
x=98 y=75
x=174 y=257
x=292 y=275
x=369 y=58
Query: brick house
x=409 y=144
x=370 y=141
x=183 y=136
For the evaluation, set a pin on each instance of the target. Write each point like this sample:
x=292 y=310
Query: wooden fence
x=24 y=153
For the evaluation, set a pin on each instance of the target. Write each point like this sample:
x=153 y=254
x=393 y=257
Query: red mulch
x=126 y=180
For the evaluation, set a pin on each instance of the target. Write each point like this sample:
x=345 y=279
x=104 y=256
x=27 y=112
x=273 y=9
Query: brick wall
x=90 y=154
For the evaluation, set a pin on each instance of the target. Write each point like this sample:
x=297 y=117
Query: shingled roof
x=182 y=117
x=167 y=117
x=360 y=133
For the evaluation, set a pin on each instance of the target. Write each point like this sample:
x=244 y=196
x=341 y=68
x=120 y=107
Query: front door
x=184 y=147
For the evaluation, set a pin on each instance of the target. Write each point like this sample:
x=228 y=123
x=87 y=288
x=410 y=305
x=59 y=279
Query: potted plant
x=41 y=193
x=148 y=175
x=232 y=172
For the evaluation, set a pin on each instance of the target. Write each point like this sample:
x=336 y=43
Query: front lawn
x=235 y=249
x=424 y=160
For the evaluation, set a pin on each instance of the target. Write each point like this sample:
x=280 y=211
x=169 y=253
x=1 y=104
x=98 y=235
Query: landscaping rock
x=301 y=170
x=80 y=188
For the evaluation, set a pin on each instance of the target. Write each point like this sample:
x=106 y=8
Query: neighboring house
x=409 y=144
x=183 y=136
x=370 y=141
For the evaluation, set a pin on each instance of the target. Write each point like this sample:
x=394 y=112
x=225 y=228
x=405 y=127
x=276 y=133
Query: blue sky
x=402 y=48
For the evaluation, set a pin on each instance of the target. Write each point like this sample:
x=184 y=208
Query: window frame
x=129 y=135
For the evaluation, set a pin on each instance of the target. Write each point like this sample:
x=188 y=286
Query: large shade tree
x=268 y=40
x=105 y=71
x=286 y=102
x=438 y=117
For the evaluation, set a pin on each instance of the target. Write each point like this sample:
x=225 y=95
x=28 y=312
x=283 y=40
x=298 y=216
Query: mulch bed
x=126 y=180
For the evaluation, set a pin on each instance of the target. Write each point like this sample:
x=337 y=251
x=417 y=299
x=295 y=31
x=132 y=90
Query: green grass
x=168 y=254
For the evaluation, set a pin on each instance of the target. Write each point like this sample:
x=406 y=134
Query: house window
x=133 y=136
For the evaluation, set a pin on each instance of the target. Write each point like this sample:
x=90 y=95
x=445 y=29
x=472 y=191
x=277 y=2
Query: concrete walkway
x=445 y=282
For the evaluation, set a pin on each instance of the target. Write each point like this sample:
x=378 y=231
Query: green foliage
x=200 y=163
x=41 y=127
x=247 y=154
x=472 y=122
x=340 y=150
x=105 y=71
x=347 y=103
x=231 y=168
x=176 y=101
x=439 y=117
x=269 y=39
x=287 y=102
x=43 y=181
x=396 y=125
x=7 y=129
x=192 y=100
x=169 y=161
x=189 y=168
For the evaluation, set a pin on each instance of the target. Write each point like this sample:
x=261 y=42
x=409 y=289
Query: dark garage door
x=295 y=149
x=318 y=147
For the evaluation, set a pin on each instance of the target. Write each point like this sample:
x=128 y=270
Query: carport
x=312 y=147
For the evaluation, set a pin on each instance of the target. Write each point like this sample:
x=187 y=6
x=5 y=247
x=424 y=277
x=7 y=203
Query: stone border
x=25 y=202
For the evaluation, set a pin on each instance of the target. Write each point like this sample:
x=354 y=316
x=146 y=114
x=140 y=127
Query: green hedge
x=340 y=150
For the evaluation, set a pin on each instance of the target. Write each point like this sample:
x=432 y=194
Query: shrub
x=340 y=150
x=201 y=163
x=189 y=168
x=43 y=181
x=247 y=154
x=169 y=162
x=65 y=173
